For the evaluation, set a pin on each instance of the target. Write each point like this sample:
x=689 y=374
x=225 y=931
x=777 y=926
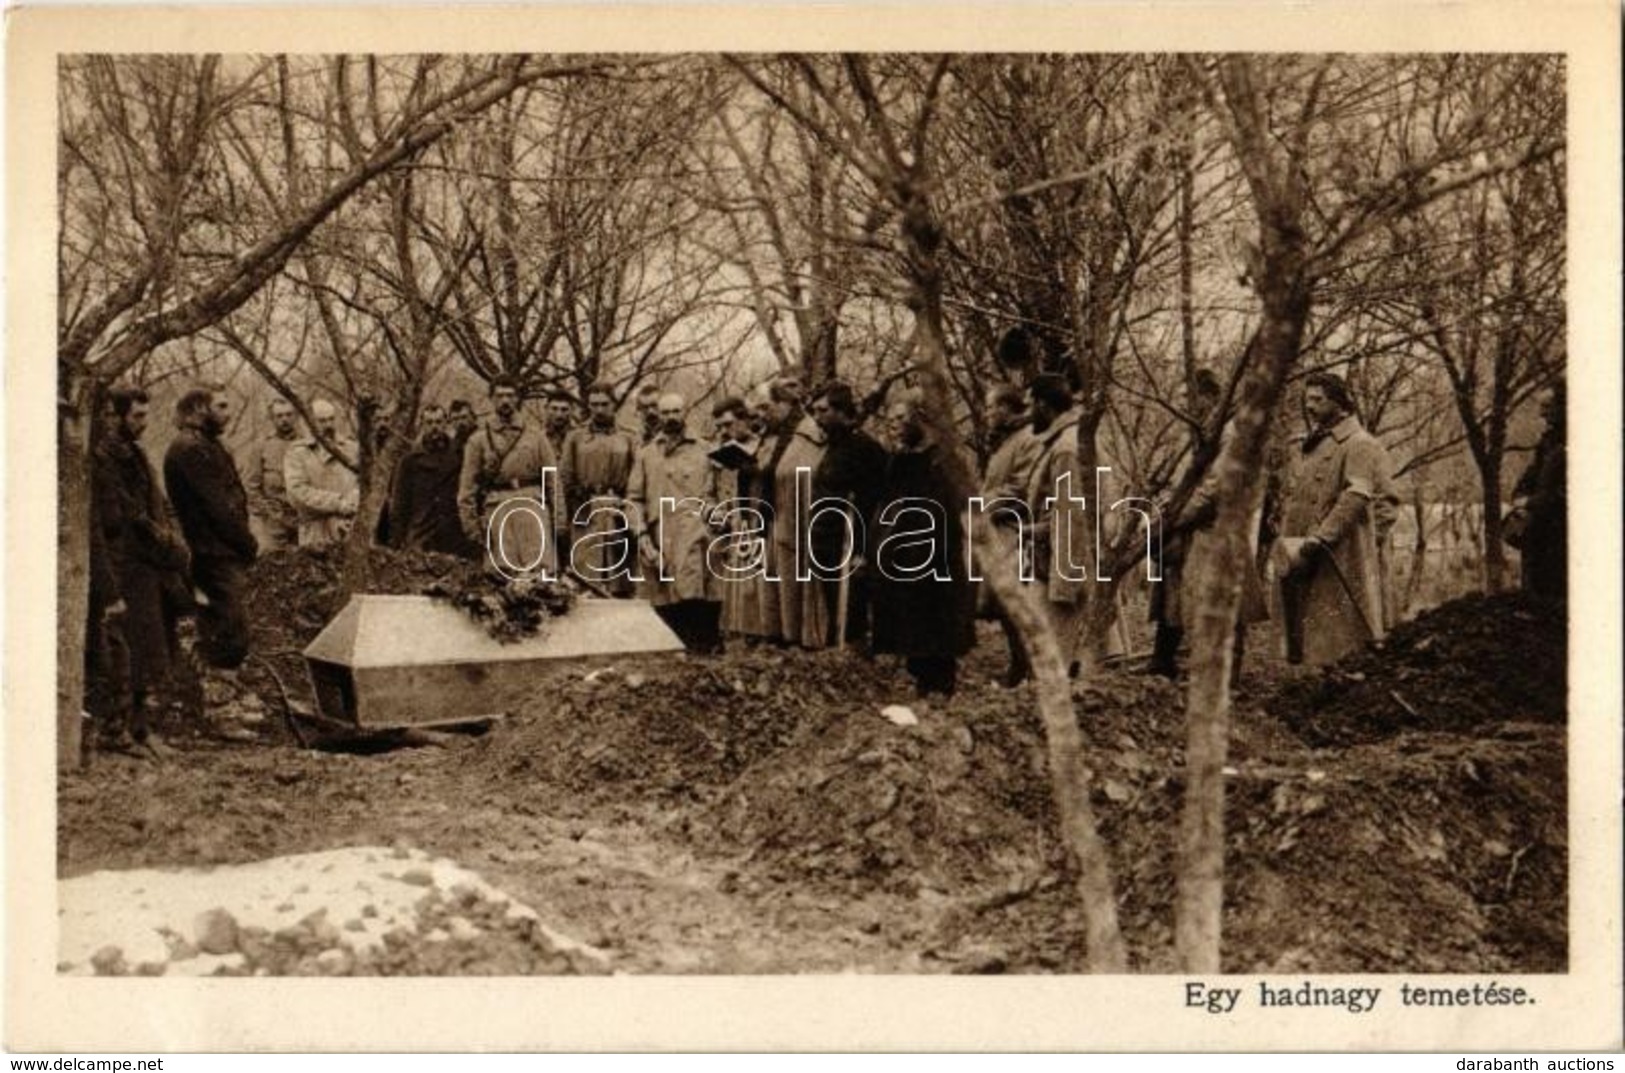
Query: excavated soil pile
x=1468 y=663
x=292 y=594
x=789 y=759
x=1364 y=846
x=1425 y=853
x=671 y=726
x=959 y=801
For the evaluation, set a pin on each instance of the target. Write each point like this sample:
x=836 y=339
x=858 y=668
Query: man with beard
x=275 y=520
x=648 y=407
x=850 y=473
x=322 y=485
x=212 y=506
x=500 y=491
x=107 y=656
x=924 y=605
x=146 y=554
x=593 y=469
x=1336 y=511
x=423 y=495
x=670 y=496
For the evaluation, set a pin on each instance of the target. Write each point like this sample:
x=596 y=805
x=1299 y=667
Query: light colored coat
x=1010 y=466
x=803 y=616
x=1340 y=492
x=679 y=470
x=275 y=521
x=1058 y=456
x=323 y=490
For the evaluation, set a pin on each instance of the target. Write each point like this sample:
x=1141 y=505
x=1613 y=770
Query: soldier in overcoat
x=146 y=552
x=671 y=498
x=1337 y=508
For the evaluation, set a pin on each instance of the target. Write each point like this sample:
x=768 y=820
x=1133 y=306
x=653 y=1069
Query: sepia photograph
x=904 y=513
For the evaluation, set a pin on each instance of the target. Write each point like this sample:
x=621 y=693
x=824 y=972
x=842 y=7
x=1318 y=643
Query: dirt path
x=608 y=876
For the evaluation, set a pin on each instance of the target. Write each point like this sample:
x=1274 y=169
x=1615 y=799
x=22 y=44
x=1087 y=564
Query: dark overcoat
x=147 y=555
x=924 y=603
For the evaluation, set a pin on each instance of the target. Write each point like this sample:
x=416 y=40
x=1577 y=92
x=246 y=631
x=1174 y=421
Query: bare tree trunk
x=1069 y=777
x=1217 y=560
x=1419 y=554
x=376 y=476
x=1187 y=315
x=355 y=572
x=73 y=581
x=1495 y=552
x=1215 y=572
x=907 y=184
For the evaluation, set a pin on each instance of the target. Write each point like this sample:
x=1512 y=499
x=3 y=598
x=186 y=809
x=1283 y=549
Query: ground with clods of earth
x=755 y=812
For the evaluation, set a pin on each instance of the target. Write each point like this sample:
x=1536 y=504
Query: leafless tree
x=153 y=245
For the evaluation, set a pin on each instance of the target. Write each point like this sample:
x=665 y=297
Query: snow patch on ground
x=156 y=917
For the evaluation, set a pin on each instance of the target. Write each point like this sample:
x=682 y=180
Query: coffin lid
x=406 y=631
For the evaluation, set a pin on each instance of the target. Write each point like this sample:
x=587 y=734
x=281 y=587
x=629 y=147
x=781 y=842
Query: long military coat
x=679 y=469
x=1338 y=491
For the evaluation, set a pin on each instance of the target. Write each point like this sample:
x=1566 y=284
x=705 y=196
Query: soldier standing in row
x=924 y=605
x=796 y=443
x=107 y=656
x=557 y=422
x=1540 y=508
x=423 y=495
x=594 y=466
x=850 y=473
x=736 y=444
x=322 y=484
x=1336 y=510
x=147 y=556
x=671 y=494
x=500 y=492
x=275 y=520
x=212 y=507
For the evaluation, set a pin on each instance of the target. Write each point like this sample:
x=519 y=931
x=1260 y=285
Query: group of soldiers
x=594 y=499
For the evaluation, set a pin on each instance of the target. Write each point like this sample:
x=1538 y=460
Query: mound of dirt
x=1424 y=853
x=665 y=725
x=791 y=762
x=293 y=593
x=960 y=801
x=1468 y=663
